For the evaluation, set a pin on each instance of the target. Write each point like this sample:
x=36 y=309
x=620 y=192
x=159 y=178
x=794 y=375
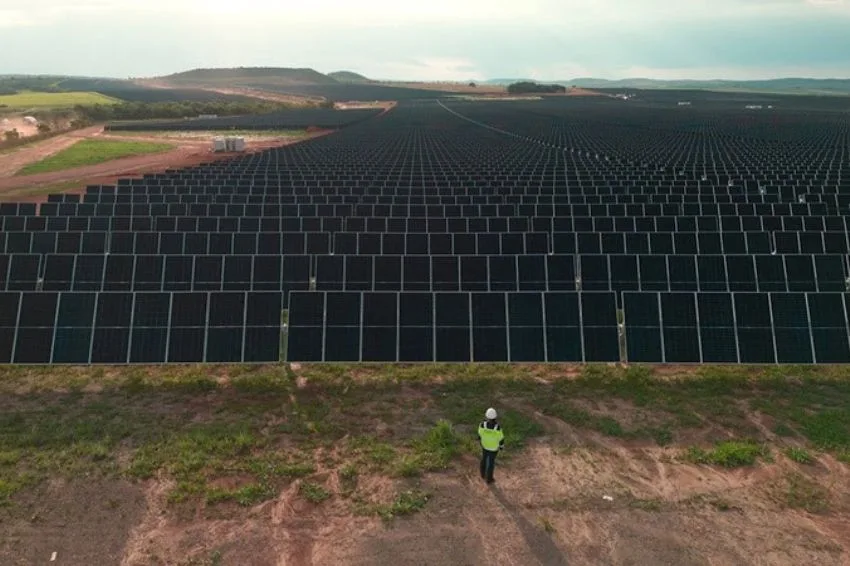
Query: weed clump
x=314 y=493
x=799 y=455
x=728 y=454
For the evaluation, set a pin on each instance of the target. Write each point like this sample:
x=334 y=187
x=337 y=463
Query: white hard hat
x=491 y=413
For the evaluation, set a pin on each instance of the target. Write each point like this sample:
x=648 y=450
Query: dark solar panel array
x=553 y=230
x=301 y=118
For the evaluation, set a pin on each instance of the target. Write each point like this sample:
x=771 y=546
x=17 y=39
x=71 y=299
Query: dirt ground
x=188 y=152
x=25 y=129
x=571 y=496
x=546 y=508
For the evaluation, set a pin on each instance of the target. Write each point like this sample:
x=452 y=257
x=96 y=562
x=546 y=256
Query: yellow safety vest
x=491 y=438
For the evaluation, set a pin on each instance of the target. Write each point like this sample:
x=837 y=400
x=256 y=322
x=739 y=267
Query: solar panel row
x=118 y=328
x=550 y=272
x=640 y=224
x=740 y=327
x=452 y=327
x=281 y=192
x=423 y=243
x=397 y=208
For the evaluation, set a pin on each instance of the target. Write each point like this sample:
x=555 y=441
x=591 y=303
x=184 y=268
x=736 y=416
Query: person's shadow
x=538 y=541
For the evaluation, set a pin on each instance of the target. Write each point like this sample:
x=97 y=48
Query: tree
x=526 y=87
x=43 y=128
x=473 y=85
x=13 y=135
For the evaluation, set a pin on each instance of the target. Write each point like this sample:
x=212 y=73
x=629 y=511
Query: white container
x=219 y=144
x=235 y=144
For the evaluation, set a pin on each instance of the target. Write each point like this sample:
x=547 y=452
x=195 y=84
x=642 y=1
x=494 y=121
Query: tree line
x=526 y=87
x=172 y=110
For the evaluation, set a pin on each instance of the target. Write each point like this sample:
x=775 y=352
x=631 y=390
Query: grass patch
x=728 y=454
x=799 y=455
x=651 y=505
x=828 y=429
x=92 y=152
x=782 y=429
x=348 y=476
x=581 y=418
x=27 y=99
x=436 y=449
x=405 y=503
x=802 y=493
x=246 y=495
x=313 y=492
x=547 y=525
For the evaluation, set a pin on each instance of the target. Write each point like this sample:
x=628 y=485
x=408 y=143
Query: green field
x=23 y=100
x=92 y=152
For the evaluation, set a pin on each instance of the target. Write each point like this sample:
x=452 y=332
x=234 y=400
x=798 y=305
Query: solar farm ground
x=332 y=464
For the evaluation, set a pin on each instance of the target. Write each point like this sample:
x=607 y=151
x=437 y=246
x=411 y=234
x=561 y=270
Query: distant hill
x=349 y=77
x=243 y=75
x=778 y=86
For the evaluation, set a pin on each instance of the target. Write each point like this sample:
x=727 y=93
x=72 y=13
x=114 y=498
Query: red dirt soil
x=189 y=153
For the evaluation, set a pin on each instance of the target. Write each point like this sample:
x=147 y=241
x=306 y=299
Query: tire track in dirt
x=14 y=161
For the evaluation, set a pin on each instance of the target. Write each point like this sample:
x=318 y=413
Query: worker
x=492 y=440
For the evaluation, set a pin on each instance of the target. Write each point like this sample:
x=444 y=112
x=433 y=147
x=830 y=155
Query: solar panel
x=718 y=337
x=679 y=322
x=643 y=323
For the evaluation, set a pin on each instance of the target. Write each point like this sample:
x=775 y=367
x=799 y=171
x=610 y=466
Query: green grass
x=799 y=455
x=728 y=454
x=405 y=503
x=25 y=100
x=92 y=152
x=314 y=493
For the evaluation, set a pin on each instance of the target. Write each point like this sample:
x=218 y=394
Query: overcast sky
x=432 y=39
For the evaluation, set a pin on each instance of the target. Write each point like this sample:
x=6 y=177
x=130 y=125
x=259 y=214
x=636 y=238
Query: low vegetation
x=241 y=434
x=92 y=152
x=174 y=109
x=729 y=454
x=528 y=87
x=29 y=100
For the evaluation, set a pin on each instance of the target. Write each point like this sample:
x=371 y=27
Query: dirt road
x=15 y=160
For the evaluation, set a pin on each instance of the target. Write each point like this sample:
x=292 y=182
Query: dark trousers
x=488 y=464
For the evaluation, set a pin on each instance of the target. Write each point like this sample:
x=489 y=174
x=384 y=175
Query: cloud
x=434 y=40
x=428 y=69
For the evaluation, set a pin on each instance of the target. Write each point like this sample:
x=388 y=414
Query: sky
x=432 y=40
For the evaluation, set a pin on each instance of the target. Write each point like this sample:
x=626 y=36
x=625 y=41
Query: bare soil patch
x=25 y=129
x=84 y=521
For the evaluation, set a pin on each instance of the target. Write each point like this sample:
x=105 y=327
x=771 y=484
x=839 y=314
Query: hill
x=349 y=77
x=778 y=86
x=244 y=75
